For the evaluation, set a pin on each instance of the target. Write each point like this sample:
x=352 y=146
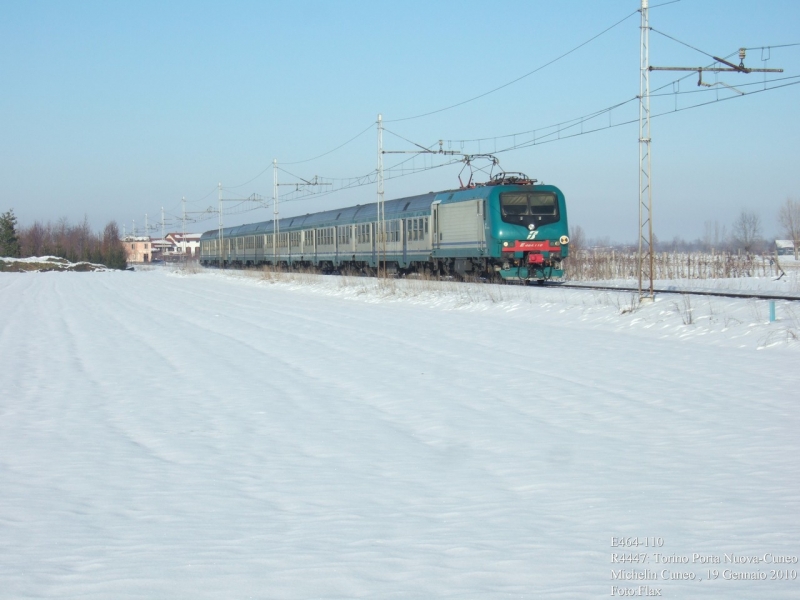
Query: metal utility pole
x=220 y=236
x=251 y=198
x=275 y=226
x=645 y=258
x=162 y=222
x=146 y=226
x=381 y=229
x=275 y=185
x=183 y=234
x=381 y=225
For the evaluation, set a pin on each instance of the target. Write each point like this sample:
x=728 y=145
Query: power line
x=355 y=137
x=505 y=85
x=567 y=124
x=543 y=140
x=683 y=43
x=370 y=178
x=298 y=162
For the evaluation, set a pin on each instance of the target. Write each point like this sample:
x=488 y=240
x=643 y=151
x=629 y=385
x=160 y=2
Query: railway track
x=575 y=286
x=722 y=294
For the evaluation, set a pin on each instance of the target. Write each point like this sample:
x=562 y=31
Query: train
x=507 y=229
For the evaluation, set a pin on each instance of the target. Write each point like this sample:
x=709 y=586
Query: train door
x=435 y=236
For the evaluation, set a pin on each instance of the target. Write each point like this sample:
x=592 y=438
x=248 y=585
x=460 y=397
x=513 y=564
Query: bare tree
x=74 y=242
x=747 y=231
x=714 y=235
x=789 y=218
x=34 y=240
x=577 y=239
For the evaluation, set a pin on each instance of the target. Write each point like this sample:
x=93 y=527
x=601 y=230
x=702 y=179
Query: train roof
x=360 y=213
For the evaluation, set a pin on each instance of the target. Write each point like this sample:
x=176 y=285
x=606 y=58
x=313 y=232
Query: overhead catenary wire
x=592 y=115
x=362 y=132
x=562 y=134
x=298 y=162
x=549 y=138
x=542 y=139
x=666 y=35
x=559 y=133
x=520 y=78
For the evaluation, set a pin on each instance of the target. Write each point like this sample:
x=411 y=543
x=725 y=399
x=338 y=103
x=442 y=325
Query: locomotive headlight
x=531 y=226
x=505 y=244
x=564 y=239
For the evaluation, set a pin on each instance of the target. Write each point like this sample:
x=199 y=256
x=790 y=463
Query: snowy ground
x=207 y=435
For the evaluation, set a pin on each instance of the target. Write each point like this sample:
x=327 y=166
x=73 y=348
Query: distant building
x=139 y=248
x=784 y=246
x=184 y=245
x=174 y=246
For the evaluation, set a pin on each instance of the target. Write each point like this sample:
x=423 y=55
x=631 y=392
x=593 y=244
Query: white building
x=183 y=245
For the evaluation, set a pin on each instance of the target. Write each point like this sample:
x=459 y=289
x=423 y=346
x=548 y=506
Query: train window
x=543 y=204
x=529 y=208
x=426 y=225
x=521 y=203
x=514 y=204
x=363 y=233
x=325 y=237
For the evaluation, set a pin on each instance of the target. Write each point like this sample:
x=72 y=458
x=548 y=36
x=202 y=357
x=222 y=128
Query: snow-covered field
x=213 y=435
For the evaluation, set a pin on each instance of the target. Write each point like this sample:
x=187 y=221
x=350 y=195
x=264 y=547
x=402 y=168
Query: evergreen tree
x=112 y=252
x=9 y=242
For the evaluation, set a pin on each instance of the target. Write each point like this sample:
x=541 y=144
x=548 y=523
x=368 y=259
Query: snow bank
x=46 y=263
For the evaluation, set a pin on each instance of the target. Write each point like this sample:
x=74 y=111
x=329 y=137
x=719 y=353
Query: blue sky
x=113 y=110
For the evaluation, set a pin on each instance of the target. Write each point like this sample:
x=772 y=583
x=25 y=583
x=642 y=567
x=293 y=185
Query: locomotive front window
x=514 y=204
x=520 y=204
x=529 y=208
